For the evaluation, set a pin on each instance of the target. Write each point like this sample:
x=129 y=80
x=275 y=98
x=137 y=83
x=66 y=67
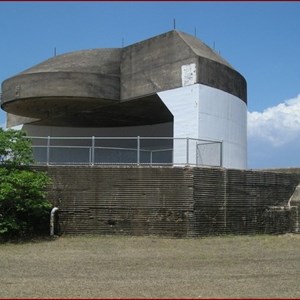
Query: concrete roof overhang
x=82 y=112
x=114 y=87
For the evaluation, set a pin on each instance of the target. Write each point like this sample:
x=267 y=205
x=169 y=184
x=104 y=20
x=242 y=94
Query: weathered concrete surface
x=62 y=87
x=155 y=65
x=129 y=113
x=123 y=200
x=171 y=201
x=84 y=87
x=294 y=205
x=295 y=198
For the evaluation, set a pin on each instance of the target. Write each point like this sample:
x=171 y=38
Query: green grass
x=260 y=266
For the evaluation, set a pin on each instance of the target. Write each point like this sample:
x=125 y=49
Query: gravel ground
x=260 y=266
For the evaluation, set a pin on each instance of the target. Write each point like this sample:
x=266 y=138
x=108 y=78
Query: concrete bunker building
x=171 y=85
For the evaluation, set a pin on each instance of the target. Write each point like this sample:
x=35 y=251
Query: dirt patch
x=151 y=267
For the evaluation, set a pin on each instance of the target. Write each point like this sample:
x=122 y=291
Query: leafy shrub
x=24 y=209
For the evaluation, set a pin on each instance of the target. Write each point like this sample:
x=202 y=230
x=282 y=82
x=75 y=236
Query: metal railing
x=126 y=151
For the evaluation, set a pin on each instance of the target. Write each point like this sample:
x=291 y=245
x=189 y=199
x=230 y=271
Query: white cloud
x=279 y=125
x=274 y=136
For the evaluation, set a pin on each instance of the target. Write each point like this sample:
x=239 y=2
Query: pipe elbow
x=54 y=209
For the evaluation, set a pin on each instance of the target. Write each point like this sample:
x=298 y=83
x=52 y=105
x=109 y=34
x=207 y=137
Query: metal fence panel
x=126 y=150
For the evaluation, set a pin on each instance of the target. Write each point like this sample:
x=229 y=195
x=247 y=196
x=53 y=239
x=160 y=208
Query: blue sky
x=261 y=40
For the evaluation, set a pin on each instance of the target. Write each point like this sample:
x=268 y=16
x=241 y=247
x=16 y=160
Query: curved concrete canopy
x=115 y=87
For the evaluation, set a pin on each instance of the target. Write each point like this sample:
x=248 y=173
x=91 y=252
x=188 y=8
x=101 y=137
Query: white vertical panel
x=208 y=113
x=223 y=116
x=183 y=103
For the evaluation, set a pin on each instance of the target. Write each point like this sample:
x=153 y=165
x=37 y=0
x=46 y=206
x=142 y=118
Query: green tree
x=24 y=209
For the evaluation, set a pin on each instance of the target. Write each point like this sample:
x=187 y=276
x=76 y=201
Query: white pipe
x=54 y=209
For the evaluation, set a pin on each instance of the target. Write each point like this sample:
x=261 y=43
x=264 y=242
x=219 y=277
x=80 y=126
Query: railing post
x=138 y=150
x=151 y=157
x=48 y=150
x=173 y=145
x=221 y=154
x=93 y=151
x=225 y=200
x=90 y=156
x=187 y=150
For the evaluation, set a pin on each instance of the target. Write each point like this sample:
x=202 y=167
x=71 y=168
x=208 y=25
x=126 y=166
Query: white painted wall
x=203 y=112
x=183 y=103
x=105 y=149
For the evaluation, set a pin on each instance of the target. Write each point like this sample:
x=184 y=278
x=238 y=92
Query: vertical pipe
x=52 y=215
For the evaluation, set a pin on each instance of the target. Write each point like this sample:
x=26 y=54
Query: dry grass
x=151 y=267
